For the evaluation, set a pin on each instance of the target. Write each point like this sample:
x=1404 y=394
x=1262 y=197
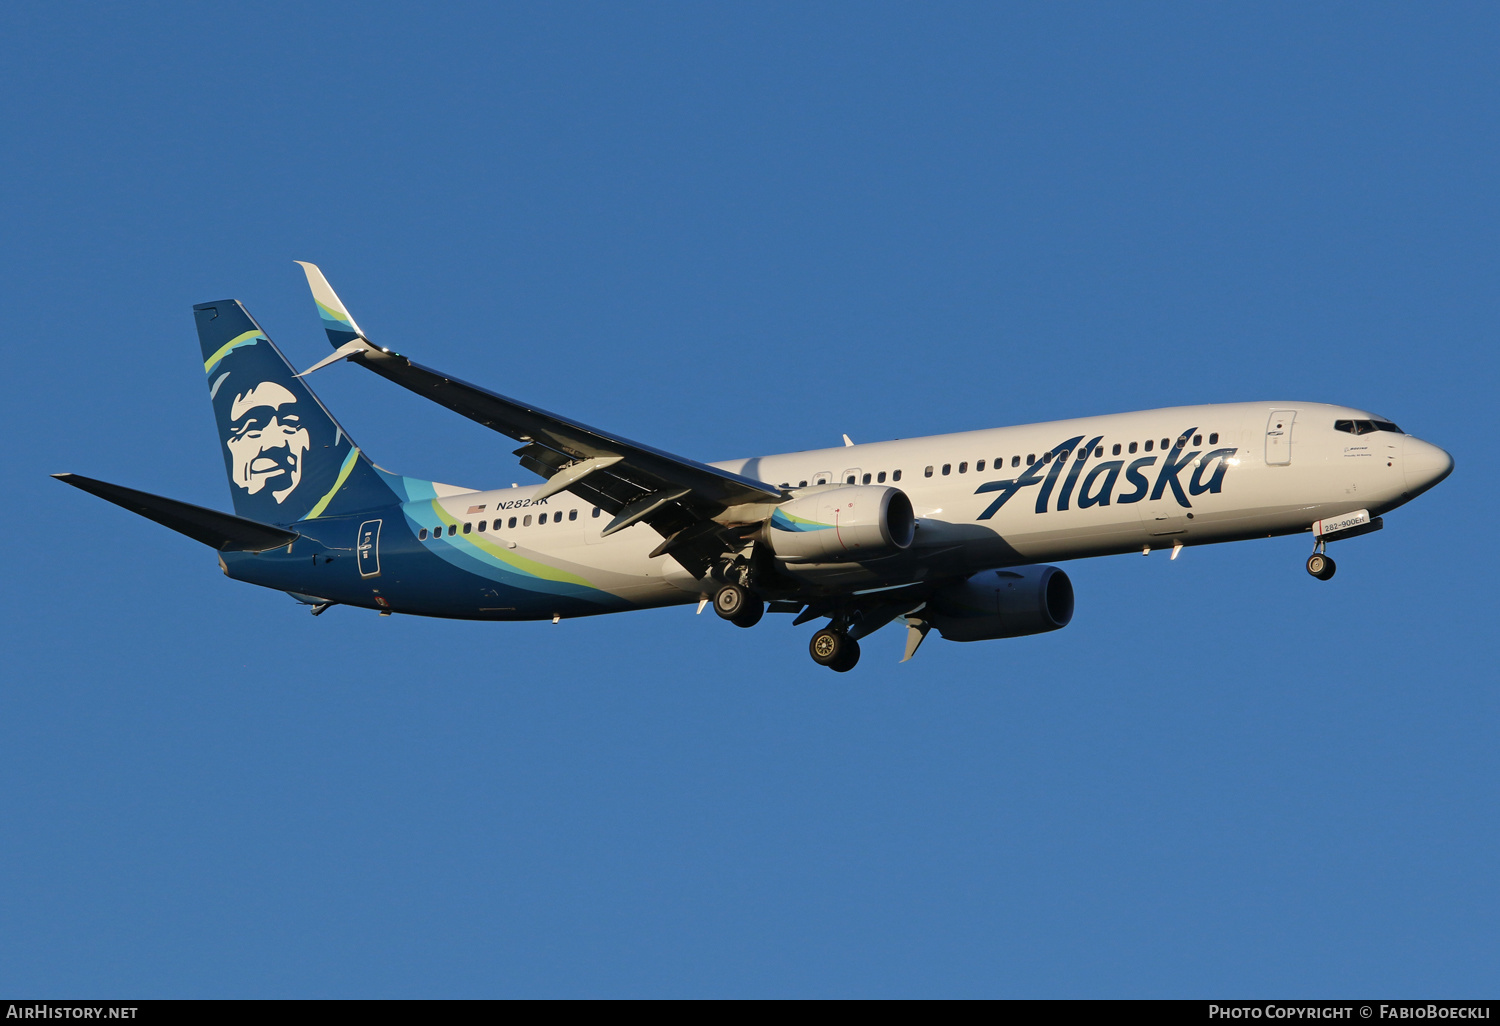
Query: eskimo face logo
x=267 y=442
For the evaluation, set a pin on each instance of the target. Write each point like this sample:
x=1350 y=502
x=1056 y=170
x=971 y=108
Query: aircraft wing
x=633 y=482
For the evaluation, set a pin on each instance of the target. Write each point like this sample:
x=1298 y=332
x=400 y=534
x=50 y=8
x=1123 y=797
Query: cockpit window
x=1362 y=427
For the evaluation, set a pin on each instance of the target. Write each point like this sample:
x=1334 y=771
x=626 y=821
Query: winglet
x=344 y=351
x=336 y=320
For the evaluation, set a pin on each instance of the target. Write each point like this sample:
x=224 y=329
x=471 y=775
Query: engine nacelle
x=846 y=523
x=1002 y=604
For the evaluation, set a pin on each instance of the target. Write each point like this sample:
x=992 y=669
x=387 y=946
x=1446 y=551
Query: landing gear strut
x=834 y=649
x=1320 y=564
x=738 y=605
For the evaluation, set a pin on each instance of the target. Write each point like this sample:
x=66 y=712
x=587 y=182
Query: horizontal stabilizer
x=222 y=531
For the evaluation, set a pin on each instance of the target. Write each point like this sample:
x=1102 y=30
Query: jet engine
x=844 y=523
x=1002 y=604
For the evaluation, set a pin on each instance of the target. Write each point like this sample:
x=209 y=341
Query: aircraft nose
x=1424 y=465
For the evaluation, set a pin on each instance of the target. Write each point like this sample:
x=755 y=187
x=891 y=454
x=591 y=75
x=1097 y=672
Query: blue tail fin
x=286 y=456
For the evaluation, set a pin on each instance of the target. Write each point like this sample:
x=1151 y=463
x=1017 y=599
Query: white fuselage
x=1243 y=470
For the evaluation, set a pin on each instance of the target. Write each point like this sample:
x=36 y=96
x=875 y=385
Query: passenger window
x=452 y=530
x=865 y=479
x=947 y=469
x=1197 y=439
x=1098 y=452
x=800 y=484
x=963 y=468
x=1030 y=458
x=482 y=525
x=1132 y=448
x=880 y=477
x=594 y=514
x=849 y=479
x=1213 y=439
x=1149 y=445
x=979 y=467
x=422 y=534
x=896 y=475
x=1166 y=443
x=1116 y=450
x=572 y=514
x=1015 y=461
x=557 y=517
x=526 y=520
x=468 y=528
x=927 y=472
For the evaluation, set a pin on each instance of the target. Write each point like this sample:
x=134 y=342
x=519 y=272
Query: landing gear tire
x=834 y=649
x=738 y=606
x=848 y=659
x=1321 y=566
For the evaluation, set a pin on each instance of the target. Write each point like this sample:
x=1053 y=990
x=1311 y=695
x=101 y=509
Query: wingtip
x=62 y=477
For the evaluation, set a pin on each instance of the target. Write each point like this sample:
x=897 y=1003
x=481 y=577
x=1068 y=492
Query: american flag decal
x=478 y=509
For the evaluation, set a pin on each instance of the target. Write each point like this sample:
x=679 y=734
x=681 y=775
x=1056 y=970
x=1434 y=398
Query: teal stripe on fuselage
x=467 y=553
x=408 y=489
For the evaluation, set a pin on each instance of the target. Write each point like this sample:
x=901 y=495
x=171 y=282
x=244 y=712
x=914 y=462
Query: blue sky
x=731 y=230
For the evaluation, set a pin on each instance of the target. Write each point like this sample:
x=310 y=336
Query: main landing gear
x=831 y=647
x=1320 y=564
x=738 y=605
x=834 y=649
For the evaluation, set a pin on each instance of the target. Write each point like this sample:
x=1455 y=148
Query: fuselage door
x=368 y=548
x=1279 y=438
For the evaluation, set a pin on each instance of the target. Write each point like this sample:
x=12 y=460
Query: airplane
x=953 y=533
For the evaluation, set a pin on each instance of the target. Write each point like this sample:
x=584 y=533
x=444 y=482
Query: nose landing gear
x=1320 y=564
x=834 y=649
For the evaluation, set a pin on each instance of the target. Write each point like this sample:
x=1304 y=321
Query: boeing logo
x=1098 y=488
